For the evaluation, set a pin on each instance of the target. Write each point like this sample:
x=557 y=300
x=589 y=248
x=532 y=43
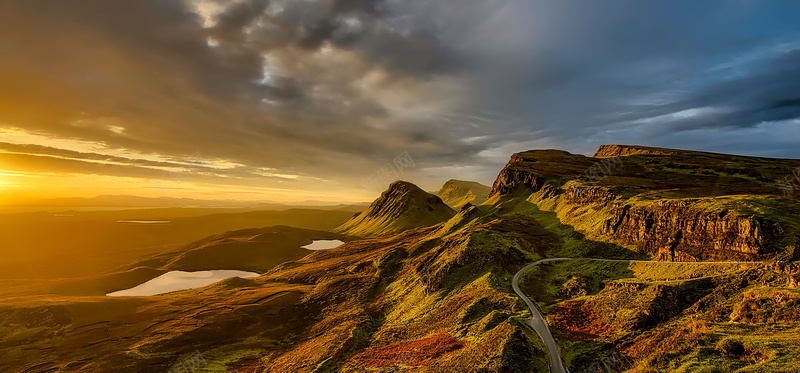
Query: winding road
x=537 y=320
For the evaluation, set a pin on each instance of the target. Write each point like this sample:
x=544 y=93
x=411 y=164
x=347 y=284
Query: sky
x=330 y=100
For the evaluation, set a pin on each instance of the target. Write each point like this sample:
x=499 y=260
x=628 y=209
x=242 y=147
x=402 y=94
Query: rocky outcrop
x=533 y=169
x=680 y=230
x=580 y=194
x=606 y=151
x=675 y=205
x=508 y=180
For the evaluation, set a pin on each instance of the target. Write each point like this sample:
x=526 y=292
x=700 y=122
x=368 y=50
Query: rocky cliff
x=673 y=204
x=683 y=230
x=531 y=170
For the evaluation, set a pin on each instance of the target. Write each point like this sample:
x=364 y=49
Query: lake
x=180 y=280
x=323 y=244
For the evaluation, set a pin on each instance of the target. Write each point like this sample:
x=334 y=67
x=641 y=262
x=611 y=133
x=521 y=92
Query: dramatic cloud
x=318 y=95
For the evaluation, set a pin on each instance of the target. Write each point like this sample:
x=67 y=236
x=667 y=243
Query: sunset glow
x=310 y=100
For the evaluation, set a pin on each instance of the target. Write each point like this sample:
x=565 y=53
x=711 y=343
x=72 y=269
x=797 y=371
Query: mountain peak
x=400 y=207
x=405 y=186
x=457 y=193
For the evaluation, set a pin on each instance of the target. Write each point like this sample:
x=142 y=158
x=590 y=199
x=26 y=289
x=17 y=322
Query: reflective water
x=323 y=244
x=180 y=280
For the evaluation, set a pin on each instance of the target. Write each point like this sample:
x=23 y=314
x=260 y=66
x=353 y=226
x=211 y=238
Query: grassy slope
x=401 y=207
x=457 y=193
x=671 y=316
x=363 y=226
x=433 y=299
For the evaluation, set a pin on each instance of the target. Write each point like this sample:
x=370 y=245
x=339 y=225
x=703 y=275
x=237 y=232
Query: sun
x=5 y=180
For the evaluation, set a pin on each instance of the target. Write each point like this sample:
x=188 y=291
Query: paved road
x=537 y=320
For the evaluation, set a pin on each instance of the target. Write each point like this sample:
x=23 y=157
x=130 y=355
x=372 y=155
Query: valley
x=540 y=276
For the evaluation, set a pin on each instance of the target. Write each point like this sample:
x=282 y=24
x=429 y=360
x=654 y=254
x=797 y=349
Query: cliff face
x=675 y=205
x=682 y=231
x=531 y=170
x=509 y=180
x=675 y=230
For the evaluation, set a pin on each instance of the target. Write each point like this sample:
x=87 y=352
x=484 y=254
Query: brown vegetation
x=577 y=321
x=417 y=352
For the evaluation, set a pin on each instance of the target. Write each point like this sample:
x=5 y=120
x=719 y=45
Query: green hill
x=457 y=193
x=401 y=207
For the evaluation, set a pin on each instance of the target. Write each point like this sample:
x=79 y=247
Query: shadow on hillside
x=574 y=243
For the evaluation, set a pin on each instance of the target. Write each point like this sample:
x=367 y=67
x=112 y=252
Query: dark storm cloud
x=770 y=93
x=335 y=88
x=587 y=73
x=384 y=34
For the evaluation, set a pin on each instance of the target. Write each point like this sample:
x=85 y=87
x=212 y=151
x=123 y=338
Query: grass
x=687 y=339
x=660 y=271
x=573 y=243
